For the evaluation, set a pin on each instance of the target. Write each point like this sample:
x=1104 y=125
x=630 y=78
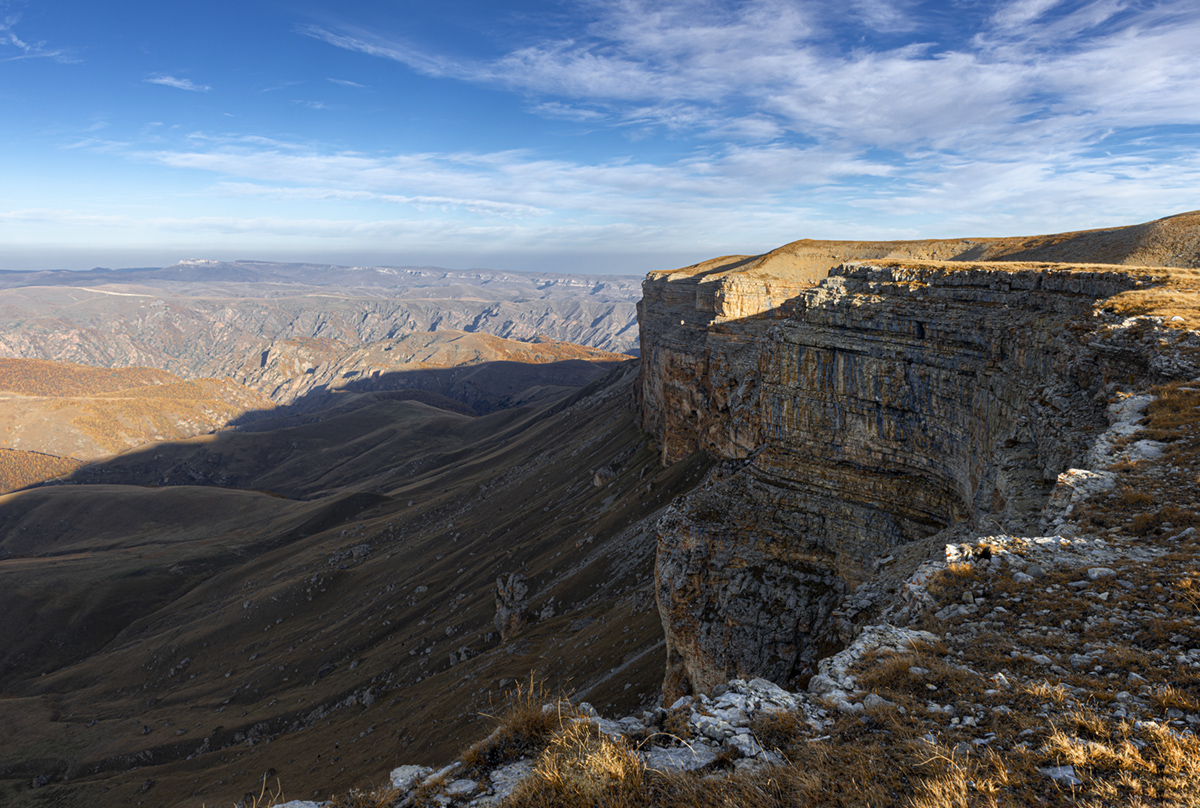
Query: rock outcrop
x=511 y=599
x=856 y=413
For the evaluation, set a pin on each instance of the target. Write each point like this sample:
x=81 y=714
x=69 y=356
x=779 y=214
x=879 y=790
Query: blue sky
x=615 y=136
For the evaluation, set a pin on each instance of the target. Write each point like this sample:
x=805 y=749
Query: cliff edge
x=865 y=396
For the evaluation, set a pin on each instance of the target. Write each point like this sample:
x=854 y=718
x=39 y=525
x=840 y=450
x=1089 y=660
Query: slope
x=54 y=414
x=350 y=631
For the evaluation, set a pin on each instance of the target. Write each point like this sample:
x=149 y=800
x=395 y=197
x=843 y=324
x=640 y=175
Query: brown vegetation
x=84 y=413
x=19 y=469
x=37 y=377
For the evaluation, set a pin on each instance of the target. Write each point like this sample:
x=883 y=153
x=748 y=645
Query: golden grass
x=523 y=728
x=1176 y=294
x=19 y=469
x=582 y=767
x=264 y=798
x=38 y=377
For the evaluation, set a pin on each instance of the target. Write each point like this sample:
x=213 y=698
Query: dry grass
x=524 y=728
x=950 y=584
x=19 y=469
x=1156 y=498
x=777 y=730
x=383 y=797
x=265 y=798
x=1175 y=295
x=582 y=768
x=1172 y=697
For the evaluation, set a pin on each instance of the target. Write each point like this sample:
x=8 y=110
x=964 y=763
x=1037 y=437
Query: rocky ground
x=1004 y=670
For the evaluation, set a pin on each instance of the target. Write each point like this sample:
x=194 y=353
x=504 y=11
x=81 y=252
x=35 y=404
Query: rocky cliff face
x=857 y=413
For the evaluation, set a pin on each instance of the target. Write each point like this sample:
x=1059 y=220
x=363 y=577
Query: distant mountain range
x=202 y=319
x=428 y=495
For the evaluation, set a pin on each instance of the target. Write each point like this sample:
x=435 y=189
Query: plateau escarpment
x=857 y=413
x=867 y=448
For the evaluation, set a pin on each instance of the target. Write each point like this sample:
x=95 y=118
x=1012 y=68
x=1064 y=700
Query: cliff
x=952 y=524
x=869 y=405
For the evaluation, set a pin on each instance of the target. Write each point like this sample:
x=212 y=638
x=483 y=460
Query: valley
x=902 y=484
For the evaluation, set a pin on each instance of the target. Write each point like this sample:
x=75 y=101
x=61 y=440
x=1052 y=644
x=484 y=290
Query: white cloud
x=1040 y=116
x=348 y=83
x=179 y=84
x=515 y=181
x=27 y=49
x=482 y=206
x=1017 y=13
x=1034 y=71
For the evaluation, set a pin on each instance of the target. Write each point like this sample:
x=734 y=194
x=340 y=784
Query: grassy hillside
x=353 y=630
x=19 y=469
x=36 y=377
x=75 y=413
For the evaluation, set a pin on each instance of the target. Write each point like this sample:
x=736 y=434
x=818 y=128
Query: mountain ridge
x=861 y=480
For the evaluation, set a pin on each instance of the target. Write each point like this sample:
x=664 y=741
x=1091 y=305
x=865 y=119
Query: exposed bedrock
x=872 y=408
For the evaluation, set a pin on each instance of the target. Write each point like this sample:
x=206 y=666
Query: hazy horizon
x=588 y=264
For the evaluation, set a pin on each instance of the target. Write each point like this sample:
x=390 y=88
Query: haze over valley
x=343 y=562
x=561 y=404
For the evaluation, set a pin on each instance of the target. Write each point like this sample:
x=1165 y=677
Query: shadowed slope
x=354 y=631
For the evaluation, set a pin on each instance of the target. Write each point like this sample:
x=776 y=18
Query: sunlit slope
x=53 y=414
x=1170 y=242
x=306 y=372
x=19 y=469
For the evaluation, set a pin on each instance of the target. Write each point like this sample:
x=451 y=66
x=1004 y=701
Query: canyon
x=829 y=461
x=211 y=319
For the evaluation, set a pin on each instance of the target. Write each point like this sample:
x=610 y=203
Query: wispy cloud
x=483 y=206
x=1016 y=13
x=1031 y=73
x=9 y=41
x=716 y=195
x=358 y=40
x=522 y=181
x=178 y=83
x=348 y=83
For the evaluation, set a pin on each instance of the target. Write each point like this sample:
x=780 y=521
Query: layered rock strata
x=865 y=410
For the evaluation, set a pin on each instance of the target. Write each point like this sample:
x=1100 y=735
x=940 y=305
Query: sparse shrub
x=676 y=723
x=582 y=768
x=777 y=730
x=523 y=729
x=949 y=584
x=1133 y=498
